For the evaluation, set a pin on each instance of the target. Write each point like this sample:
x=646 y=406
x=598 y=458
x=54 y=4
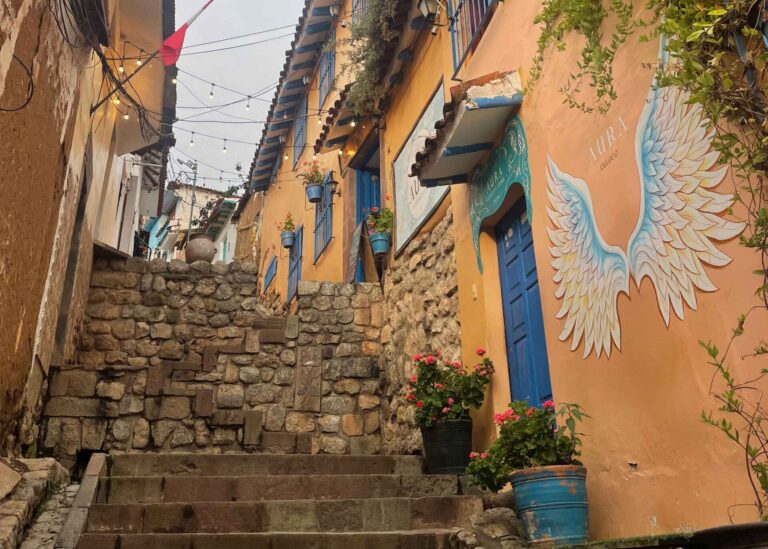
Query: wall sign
x=414 y=203
x=507 y=165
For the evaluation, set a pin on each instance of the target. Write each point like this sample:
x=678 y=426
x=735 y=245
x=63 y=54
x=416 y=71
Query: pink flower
x=548 y=404
x=411 y=396
x=439 y=386
x=429 y=360
x=480 y=351
x=530 y=412
x=413 y=378
x=474 y=455
x=446 y=410
x=484 y=455
x=419 y=404
x=457 y=364
x=504 y=416
x=450 y=401
x=417 y=357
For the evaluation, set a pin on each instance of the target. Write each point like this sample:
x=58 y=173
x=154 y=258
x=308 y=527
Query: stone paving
x=51 y=516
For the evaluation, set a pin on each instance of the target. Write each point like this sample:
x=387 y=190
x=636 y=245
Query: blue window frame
x=294 y=265
x=327 y=67
x=358 y=10
x=271 y=272
x=324 y=218
x=468 y=19
x=300 y=130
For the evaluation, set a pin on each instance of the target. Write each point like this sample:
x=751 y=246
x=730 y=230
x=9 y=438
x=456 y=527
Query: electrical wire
x=30 y=87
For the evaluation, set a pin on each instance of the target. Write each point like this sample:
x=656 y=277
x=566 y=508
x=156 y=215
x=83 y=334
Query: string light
x=285 y=156
x=319 y=120
x=248 y=105
x=314 y=157
x=353 y=124
x=121 y=69
x=341 y=152
x=139 y=62
x=116 y=100
x=126 y=117
x=211 y=94
x=192 y=140
x=224 y=150
x=174 y=81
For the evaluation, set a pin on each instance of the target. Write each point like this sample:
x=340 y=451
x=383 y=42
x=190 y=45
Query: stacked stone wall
x=178 y=358
x=421 y=316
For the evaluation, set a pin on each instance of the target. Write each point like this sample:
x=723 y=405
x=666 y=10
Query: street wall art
x=414 y=203
x=679 y=225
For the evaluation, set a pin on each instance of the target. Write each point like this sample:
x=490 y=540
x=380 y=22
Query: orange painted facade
x=654 y=467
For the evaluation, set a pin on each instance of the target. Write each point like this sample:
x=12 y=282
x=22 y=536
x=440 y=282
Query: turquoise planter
x=380 y=243
x=552 y=503
x=314 y=193
x=288 y=238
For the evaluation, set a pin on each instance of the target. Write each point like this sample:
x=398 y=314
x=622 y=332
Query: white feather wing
x=590 y=273
x=679 y=213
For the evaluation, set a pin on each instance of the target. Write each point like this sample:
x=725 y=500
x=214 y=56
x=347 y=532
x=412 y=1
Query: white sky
x=248 y=69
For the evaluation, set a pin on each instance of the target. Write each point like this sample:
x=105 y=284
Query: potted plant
x=379 y=230
x=313 y=178
x=444 y=392
x=536 y=451
x=287 y=231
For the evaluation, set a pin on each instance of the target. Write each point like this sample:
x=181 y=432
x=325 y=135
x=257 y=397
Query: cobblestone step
x=185 y=489
x=148 y=465
x=430 y=539
x=351 y=515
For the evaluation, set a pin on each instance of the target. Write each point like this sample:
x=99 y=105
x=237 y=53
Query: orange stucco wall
x=654 y=467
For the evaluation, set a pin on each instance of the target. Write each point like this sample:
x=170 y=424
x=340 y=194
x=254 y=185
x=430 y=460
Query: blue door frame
x=368 y=189
x=523 y=320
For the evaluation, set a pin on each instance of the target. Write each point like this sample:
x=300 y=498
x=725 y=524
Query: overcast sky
x=248 y=69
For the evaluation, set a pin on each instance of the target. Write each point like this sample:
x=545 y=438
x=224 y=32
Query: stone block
x=113 y=390
x=93 y=433
x=161 y=430
x=278 y=443
x=275 y=419
x=172 y=350
x=296 y=422
x=333 y=444
x=171 y=407
x=368 y=402
x=253 y=427
x=360 y=367
x=140 y=434
x=283 y=376
x=252 y=341
x=203 y=402
x=304 y=443
x=8 y=480
x=224 y=437
x=365 y=445
x=386 y=514
x=157 y=378
x=347 y=386
x=372 y=422
x=161 y=331
x=291 y=327
x=329 y=424
x=80 y=407
x=230 y=396
x=308 y=287
x=228 y=417
x=352 y=424
x=261 y=393
x=73 y=383
x=182 y=436
x=250 y=375
x=338 y=405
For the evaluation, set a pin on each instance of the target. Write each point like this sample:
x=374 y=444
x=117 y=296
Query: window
x=468 y=19
x=299 y=130
x=271 y=272
x=324 y=218
x=327 y=67
x=358 y=10
x=294 y=264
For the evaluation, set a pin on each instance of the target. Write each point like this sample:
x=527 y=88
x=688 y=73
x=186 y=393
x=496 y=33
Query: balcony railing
x=468 y=19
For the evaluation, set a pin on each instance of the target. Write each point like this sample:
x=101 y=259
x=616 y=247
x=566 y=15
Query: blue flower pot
x=380 y=243
x=314 y=193
x=552 y=504
x=288 y=238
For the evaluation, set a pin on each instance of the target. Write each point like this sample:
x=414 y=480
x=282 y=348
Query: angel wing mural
x=678 y=226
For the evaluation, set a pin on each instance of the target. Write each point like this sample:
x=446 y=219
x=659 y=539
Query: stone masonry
x=185 y=359
x=421 y=315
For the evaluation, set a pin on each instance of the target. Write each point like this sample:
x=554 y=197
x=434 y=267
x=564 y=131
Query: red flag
x=171 y=49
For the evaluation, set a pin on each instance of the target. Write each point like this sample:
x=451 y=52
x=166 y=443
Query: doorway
x=523 y=320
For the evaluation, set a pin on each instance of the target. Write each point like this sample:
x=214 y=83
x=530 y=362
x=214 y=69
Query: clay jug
x=200 y=248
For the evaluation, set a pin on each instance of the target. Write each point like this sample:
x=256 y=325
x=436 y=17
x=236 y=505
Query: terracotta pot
x=200 y=248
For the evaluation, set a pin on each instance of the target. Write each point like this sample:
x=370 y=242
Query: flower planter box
x=314 y=192
x=380 y=243
x=288 y=238
x=447 y=446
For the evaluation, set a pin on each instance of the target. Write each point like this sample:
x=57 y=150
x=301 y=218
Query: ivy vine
x=587 y=18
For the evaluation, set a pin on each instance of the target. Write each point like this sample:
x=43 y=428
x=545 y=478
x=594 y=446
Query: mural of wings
x=679 y=219
x=589 y=272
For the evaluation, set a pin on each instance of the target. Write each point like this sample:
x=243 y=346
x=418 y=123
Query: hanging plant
x=595 y=68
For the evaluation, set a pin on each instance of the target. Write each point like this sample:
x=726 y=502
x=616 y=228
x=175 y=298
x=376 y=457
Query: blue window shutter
x=327 y=67
x=294 y=264
x=324 y=218
x=300 y=130
x=270 y=274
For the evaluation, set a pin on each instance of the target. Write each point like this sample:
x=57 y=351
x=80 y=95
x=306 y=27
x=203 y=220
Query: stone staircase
x=234 y=501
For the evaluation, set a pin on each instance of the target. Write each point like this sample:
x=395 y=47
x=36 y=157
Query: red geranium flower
x=419 y=404
x=417 y=357
x=480 y=351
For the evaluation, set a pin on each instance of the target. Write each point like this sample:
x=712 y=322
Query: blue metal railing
x=299 y=130
x=324 y=218
x=468 y=19
x=271 y=272
x=294 y=265
x=327 y=67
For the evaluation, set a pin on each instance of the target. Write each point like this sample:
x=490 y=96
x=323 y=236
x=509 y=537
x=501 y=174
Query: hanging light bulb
x=174 y=81
x=248 y=104
x=139 y=62
x=211 y=94
x=341 y=152
x=121 y=69
x=116 y=100
x=224 y=150
x=126 y=117
x=221 y=174
x=314 y=157
x=285 y=156
x=353 y=123
x=192 y=140
x=319 y=120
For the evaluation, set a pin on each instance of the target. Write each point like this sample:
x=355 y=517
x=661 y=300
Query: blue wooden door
x=523 y=320
x=294 y=264
x=368 y=196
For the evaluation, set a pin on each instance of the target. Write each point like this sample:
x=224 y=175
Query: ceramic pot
x=447 y=446
x=288 y=238
x=200 y=248
x=380 y=243
x=314 y=192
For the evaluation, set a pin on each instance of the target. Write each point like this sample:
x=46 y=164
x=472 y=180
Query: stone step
x=153 y=465
x=185 y=489
x=350 y=515
x=428 y=539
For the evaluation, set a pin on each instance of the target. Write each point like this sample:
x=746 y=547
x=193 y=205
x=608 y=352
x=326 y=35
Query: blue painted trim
x=264 y=162
x=294 y=84
x=300 y=130
x=272 y=140
x=317 y=27
x=337 y=141
x=494 y=102
x=321 y=12
x=270 y=150
x=263 y=172
x=467 y=149
x=289 y=98
x=345 y=121
x=280 y=125
x=270 y=274
x=305 y=65
x=324 y=218
x=309 y=48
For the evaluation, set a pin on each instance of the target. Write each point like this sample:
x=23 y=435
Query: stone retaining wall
x=421 y=316
x=179 y=358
